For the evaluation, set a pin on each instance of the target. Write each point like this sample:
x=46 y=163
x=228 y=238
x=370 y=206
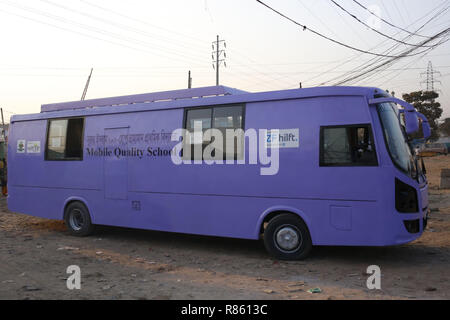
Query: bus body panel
x=340 y=205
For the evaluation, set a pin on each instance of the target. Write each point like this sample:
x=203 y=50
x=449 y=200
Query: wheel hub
x=76 y=220
x=287 y=238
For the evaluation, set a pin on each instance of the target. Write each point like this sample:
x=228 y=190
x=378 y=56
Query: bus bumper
x=413 y=225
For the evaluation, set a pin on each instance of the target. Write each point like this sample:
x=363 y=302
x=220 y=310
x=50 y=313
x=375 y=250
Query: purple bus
x=339 y=168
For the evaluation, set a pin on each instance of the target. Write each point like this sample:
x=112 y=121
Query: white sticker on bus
x=33 y=147
x=282 y=138
x=21 y=146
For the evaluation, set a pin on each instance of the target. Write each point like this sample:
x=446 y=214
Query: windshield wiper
x=424 y=170
x=416 y=163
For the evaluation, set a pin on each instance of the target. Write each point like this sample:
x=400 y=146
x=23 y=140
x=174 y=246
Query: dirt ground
x=119 y=263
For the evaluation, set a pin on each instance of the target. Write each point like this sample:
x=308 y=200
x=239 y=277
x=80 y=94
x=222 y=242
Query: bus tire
x=287 y=237
x=78 y=219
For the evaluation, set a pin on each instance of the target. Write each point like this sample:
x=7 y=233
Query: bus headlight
x=405 y=198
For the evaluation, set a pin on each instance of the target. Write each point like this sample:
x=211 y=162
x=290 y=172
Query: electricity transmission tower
x=217 y=56
x=431 y=79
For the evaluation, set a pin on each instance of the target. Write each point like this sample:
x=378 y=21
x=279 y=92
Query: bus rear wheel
x=287 y=237
x=78 y=220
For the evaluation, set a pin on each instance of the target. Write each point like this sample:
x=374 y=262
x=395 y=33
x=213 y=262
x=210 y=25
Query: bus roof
x=143 y=98
x=203 y=96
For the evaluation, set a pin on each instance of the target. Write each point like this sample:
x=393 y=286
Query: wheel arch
x=73 y=199
x=272 y=212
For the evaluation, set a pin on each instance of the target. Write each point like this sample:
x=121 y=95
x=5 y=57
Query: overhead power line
x=133 y=18
x=371 y=28
x=387 y=22
x=336 y=41
x=122 y=26
x=311 y=12
x=7 y=111
x=374 y=60
x=73 y=31
x=364 y=69
x=155 y=50
x=367 y=71
x=388 y=62
x=391 y=74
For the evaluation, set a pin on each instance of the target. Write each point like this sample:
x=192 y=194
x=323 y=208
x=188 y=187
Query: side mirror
x=426 y=129
x=411 y=121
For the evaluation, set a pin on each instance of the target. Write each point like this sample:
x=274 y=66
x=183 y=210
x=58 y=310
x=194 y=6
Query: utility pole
x=189 y=80
x=218 y=52
x=86 y=86
x=430 y=77
x=3 y=124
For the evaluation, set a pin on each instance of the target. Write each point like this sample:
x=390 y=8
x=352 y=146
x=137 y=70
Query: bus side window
x=65 y=139
x=222 y=118
x=201 y=118
x=228 y=120
x=347 y=146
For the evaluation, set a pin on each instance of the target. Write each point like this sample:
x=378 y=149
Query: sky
x=49 y=46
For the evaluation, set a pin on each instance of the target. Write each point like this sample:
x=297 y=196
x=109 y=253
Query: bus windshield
x=395 y=138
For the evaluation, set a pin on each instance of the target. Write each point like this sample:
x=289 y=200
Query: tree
x=444 y=128
x=425 y=102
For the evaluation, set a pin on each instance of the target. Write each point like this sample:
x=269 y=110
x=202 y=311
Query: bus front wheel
x=287 y=237
x=78 y=220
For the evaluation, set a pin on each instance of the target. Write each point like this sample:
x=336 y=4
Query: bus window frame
x=46 y=158
x=375 y=163
x=186 y=110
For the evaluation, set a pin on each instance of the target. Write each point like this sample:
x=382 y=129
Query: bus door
x=115 y=166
